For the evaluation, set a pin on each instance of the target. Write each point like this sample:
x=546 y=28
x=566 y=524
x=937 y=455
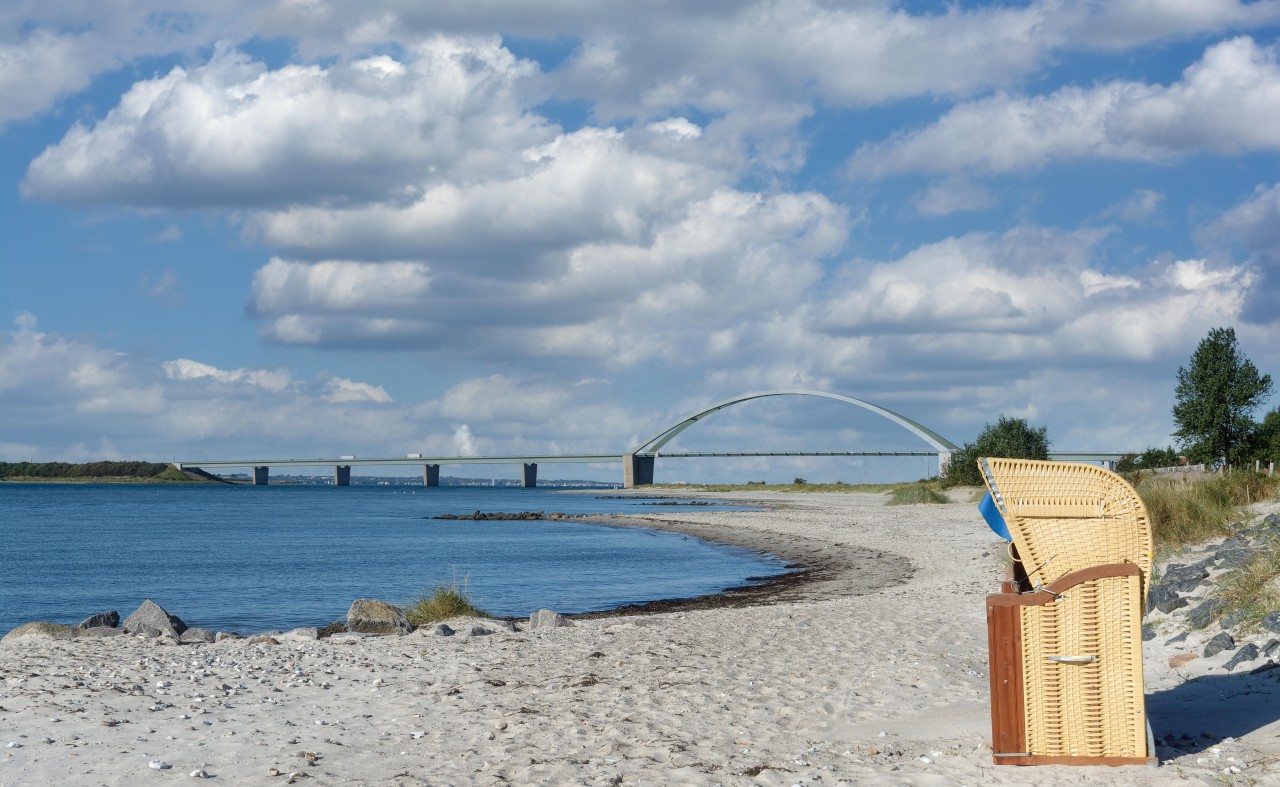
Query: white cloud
x=339 y=287
x=463 y=441
x=1228 y=102
x=233 y=132
x=274 y=380
x=342 y=390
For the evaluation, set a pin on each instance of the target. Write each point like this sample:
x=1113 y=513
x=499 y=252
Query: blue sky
x=330 y=227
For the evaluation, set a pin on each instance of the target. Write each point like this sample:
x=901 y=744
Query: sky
x=310 y=228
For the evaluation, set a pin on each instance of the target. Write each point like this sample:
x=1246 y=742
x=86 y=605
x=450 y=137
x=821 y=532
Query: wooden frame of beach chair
x=1065 y=636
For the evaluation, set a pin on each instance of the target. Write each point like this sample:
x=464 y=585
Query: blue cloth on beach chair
x=995 y=521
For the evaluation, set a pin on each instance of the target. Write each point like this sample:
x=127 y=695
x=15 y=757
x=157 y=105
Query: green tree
x=1012 y=438
x=1216 y=395
x=1266 y=438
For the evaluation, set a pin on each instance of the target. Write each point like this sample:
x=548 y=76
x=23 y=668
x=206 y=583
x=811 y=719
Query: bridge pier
x=431 y=475
x=637 y=470
x=260 y=474
x=342 y=475
x=529 y=475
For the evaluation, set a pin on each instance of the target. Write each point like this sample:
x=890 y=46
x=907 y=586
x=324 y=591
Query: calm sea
x=244 y=558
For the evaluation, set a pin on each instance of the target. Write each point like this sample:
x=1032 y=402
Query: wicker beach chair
x=1065 y=635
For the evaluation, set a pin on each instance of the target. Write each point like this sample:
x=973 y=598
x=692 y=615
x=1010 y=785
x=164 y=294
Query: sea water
x=246 y=559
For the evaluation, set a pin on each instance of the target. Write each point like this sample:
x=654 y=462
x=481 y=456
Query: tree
x=1266 y=438
x=1216 y=395
x=1011 y=438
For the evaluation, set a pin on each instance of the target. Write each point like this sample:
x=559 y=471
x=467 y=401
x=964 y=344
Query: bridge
x=637 y=464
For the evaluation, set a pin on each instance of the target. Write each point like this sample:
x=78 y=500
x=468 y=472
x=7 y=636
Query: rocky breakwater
x=1187 y=606
x=365 y=618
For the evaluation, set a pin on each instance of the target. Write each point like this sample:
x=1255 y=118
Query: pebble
x=159 y=765
x=199 y=773
x=14 y=745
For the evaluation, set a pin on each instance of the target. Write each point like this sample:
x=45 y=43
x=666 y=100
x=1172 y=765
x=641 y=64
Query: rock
x=502 y=625
x=336 y=627
x=1171 y=605
x=1230 y=620
x=1219 y=643
x=1148 y=633
x=100 y=631
x=1247 y=653
x=1182 y=659
x=151 y=620
x=370 y=616
x=194 y=635
x=1272 y=647
x=223 y=636
x=545 y=618
x=1230 y=558
x=1177 y=575
x=1271 y=519
x=101 y=620
x=1178 y=639
x=41 y=630
x=476 y=631
x=262 y=639
x=1271 y=622
x=1265 y=668
x=304 y=634
x=159 y=765
x=1205 y=613
x=441 y=630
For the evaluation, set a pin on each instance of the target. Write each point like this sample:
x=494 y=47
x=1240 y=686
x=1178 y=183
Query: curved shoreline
x=825 y=570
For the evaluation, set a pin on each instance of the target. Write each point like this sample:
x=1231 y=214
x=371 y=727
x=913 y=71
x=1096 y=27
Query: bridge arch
x=638 y=463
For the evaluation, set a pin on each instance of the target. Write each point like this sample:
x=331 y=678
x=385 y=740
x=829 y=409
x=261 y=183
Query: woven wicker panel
x=1064 y=516
x=1086 y=710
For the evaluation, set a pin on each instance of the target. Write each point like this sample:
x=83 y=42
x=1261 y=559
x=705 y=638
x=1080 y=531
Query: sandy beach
x=872 y=672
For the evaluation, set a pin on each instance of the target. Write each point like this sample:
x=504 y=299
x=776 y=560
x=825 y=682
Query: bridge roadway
x=637 y=468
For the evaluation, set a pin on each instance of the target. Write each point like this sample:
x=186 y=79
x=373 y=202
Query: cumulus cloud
x=1030 y=295
x=729 y=259
x=1228 y=102
x=236 y=133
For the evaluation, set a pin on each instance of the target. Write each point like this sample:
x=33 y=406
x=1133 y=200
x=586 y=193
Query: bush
x=1011 y=438
x=449 y=600
x=908 y=494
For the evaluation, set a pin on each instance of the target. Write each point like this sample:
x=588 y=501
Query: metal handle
x=1073 y=659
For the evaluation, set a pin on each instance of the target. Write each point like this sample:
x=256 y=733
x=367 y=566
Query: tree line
x=1216 y=396
x=87 y=470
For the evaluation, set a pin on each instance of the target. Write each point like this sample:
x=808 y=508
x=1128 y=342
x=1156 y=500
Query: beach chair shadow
x=1196 y=715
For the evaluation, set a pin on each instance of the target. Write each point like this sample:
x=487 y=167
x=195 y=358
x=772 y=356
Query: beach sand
x=873 y=672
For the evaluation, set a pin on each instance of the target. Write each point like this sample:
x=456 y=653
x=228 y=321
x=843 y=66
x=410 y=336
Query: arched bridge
x=637 y=464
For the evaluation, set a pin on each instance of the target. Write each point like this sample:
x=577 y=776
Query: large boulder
x=41 y=630
x=370 y=616
x=101 y=620
x=546 y=619
x=151 y=620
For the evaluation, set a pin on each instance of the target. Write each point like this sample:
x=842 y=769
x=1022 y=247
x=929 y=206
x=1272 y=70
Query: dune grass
x=919 y=492
x=1191 y=512
x=1251 y=590
x=447 y=600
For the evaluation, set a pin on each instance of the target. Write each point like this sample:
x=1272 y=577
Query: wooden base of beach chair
x=1111 y=738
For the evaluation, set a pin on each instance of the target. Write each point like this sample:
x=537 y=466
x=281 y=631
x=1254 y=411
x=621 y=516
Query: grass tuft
x=911 y=494
x=448 y=600
x=1251 y=590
